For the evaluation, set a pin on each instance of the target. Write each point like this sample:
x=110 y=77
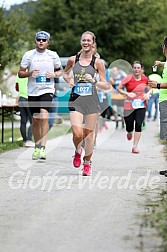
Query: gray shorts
x=163 y=120
x=84 y=104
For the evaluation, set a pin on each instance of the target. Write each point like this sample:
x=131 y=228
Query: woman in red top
x=135 y=102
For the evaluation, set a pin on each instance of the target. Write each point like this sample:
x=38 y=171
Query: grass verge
x=57 y=130
x=157 y=214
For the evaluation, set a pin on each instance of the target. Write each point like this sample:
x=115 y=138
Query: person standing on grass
x=162 y=87
x=41 y=66
x=25 y=114
x=117 y=99
x=135 y=102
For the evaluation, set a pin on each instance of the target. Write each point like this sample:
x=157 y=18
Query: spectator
x=25 y=114
x=117 y=99
x=154 y=99
x=162 y=86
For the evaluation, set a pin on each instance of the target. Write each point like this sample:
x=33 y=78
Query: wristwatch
x=158 y=85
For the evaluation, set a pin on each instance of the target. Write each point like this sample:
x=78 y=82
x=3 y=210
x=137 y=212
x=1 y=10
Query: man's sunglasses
x=43 y=40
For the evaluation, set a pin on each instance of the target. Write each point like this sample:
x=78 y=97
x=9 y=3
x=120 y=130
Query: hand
x=111 y=81
x=157 y=62
x=89 y=78
x=50 y=75
x=146 y=96
x=71 y=82
x=152 y=84
x=35 y=73
x=131 y=95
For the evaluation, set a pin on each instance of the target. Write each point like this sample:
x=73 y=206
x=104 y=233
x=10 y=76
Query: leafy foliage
x=12 y=32
x=125 y=29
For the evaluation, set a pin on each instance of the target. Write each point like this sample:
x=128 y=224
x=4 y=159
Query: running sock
x=87 y=162
x=79 y=151
x=37 y=146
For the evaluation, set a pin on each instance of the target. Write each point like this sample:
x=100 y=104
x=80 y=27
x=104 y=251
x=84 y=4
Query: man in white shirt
x=41 y=66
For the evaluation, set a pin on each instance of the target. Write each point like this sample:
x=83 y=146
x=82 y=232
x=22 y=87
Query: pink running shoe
x=100 y=130
x=135 y=150
x=77 y=159
x=106 y=126
x=129 y=136
x=86 y=171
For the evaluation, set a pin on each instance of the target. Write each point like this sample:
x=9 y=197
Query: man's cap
x=42 y=35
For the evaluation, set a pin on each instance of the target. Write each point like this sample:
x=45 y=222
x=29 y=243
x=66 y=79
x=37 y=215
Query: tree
x=126 y=29
x=12 y=31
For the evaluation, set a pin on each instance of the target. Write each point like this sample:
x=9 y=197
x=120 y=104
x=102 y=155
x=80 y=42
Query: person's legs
x=97 y=129
x=139 y=118
x=40 y=129
x=149 y=107
x=137 y=136
x=39 y=107
x=23 y=122
x=76 y=119
x=163 y=120
x=115 y=115
x=129 y=118
x=29 y=135
x=23 y=116
x=156 y=101
x=44 y=126
x=53 y=111
x=90 y=125
x=36 y=129
x=122 y=115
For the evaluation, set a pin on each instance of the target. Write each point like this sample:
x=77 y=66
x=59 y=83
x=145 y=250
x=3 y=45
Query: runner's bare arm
x=123 y=92
x=102 y=84
x=68 y=74
x=68 y=67
x=23 y=73
x=57 y=73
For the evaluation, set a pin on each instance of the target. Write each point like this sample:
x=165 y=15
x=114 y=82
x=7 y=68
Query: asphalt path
x=49 y=206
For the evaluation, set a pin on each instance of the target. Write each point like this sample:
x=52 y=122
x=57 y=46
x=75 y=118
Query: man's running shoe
x=163 y=172
x=35 y=154
x=77 y=159
x=42 y=154
x=86 y=171
x=135 y=150
x=129 y=136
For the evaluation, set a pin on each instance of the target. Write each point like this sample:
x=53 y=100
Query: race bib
x=83 y=88
x=42 y=79
x=137 y=103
